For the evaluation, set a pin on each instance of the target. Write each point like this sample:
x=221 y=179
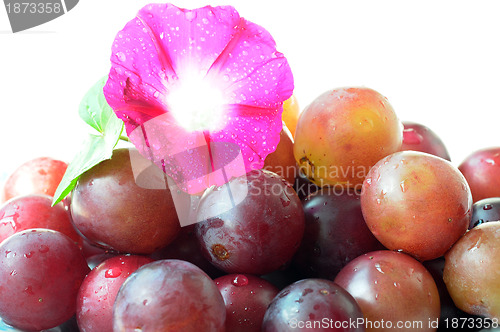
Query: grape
x=291 y=111
x=417 y=137
x=335 y=233
x=471 y=271
x=94 y=307
x=392 y=287
x=38 y=176
x=110 y=209
x=68 y=326
x=485 y=210
x=187 y=248
x=449 y=311
x=283 y=277
x=246 y=298
x=169 y=295
x=303 y=186
x=416 y=202
x=35 y=211
x=40 y=273
x=282 y=161
x=482 y=171
x=260 y=233
x=343 y=133
x=307 y=304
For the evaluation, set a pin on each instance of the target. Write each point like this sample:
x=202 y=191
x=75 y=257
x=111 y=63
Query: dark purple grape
x=187 y=248
x=283 y=277
x=487 y=209
x=247 y=298
x=40 y=273
x=335 y=233
x=169 y=295
x=253 y=224
x=111 y=209
x=313 y=305
x=303 y=186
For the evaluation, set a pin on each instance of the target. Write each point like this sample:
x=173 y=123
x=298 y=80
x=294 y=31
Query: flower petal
x=161 y=48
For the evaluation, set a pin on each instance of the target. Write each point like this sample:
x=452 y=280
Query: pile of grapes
x=357 y=222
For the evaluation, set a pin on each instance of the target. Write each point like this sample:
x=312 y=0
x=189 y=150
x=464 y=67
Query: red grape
x=110 y=209
x=313 y=305
x=417 y=137
x=94 y=307
x=482 y=171
x=40 y=273
x=416 y=202
x=257 y=235
x=246 y=298
x=394 y=288
x=169 y=295
x=38 y=176
x=35 y=211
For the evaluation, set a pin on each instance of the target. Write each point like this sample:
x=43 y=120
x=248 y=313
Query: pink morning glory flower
x=200 y=92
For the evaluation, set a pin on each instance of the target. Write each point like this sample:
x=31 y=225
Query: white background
x=438 y=63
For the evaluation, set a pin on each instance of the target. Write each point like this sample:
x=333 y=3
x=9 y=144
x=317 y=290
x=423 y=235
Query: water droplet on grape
x=379 y=268
x=285 y=202
x=403 y=186
x=113 y=272
x=240 y=280
x=29 y=290
x=43 y=249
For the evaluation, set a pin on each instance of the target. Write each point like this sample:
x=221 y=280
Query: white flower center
x=196 y=104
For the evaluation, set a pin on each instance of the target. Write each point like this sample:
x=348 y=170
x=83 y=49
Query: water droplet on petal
x=121 y=56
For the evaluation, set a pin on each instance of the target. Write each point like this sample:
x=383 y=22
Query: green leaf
x=94 y=109
x=96 y=148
